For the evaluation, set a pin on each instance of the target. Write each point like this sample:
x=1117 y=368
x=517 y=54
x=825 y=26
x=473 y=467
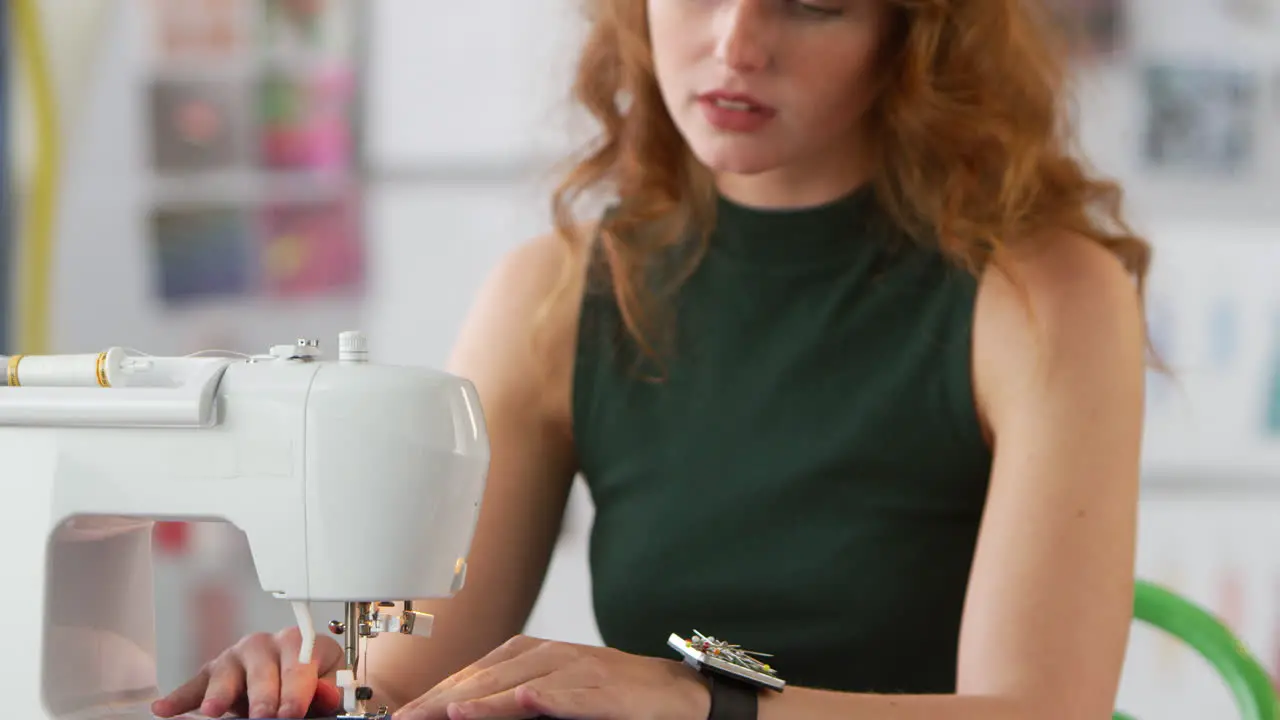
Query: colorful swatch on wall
x=305 y=120
x=199 y=28
x=307 y=27
x=202 y=253
x=312 y=248
x=196 y=125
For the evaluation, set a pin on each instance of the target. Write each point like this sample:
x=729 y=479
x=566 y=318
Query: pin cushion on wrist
x=736 y=675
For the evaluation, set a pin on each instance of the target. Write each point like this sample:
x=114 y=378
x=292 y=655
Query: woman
x=853 y=368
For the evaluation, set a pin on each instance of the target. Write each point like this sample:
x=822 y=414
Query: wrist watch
x=735 y=675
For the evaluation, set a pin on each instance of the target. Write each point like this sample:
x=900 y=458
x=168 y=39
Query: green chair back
x=1248 y=682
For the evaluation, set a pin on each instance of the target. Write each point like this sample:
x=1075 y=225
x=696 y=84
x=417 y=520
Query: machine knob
x=353 y=346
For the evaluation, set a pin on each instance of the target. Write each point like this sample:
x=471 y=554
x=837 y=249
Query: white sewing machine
x=353 y=481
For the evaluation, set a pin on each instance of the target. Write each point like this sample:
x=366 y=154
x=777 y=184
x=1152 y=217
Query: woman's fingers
x=185 y=699
x=261 y=661
x=226 y=685
x=505 y=690
x=298 y=682
x=515 y=663
x=571 y=703
x=261 y=678
x=560 y=695
x=516 y=646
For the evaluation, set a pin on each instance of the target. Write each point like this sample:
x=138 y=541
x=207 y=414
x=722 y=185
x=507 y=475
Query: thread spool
x=87 y=370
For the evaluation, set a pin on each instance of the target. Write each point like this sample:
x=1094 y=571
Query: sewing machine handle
x=185 y=400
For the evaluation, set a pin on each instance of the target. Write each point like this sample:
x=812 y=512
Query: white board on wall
x=1214 y=308
x=454 y=84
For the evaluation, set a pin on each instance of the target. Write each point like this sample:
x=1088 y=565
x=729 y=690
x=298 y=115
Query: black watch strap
x=731 y=699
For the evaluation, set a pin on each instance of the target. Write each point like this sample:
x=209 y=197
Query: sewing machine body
x=352 y=482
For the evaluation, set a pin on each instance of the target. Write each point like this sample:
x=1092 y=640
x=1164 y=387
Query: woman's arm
x=1050 y=598
x=531 y=470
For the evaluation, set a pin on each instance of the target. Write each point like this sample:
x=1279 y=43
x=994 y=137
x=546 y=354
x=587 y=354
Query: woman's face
x=761 y=85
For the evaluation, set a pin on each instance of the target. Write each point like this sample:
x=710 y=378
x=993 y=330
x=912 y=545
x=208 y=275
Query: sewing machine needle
x=364 y=662
x=351 y=646
x=352 y=637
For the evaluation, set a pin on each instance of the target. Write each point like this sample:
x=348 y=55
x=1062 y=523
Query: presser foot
x=357 y=697
x=364 y=621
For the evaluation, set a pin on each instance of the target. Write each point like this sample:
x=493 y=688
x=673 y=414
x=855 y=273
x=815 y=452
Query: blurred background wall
x=239 y=173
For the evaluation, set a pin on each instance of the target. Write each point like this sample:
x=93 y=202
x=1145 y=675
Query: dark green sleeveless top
x=809 y=478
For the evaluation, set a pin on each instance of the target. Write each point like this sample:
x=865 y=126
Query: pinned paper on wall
x=312 y=248
x=305 y=120
x=201 y=253
x=1095 y=29
x=1211 y=549
x=1200 y=118
x=306 y=26
x=199 y=28
x=197 y=125
x=253 y=125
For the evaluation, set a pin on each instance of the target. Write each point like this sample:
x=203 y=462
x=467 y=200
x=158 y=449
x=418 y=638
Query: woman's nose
x=742 y=36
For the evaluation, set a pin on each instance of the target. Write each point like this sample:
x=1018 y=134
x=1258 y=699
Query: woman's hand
x=260 y=677
x=528 y=677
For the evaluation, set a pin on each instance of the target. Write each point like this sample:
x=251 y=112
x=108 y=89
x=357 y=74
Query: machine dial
x=353 y=347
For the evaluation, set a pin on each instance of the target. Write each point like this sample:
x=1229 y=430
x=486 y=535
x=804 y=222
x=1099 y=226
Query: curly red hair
x=971 y=127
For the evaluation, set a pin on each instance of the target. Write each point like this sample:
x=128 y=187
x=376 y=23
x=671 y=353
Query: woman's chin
x=736 y=160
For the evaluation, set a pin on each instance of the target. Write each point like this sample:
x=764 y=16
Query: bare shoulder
x=1058 y=374
x=529 y=271
x=1063 y=311
x=521 y=328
